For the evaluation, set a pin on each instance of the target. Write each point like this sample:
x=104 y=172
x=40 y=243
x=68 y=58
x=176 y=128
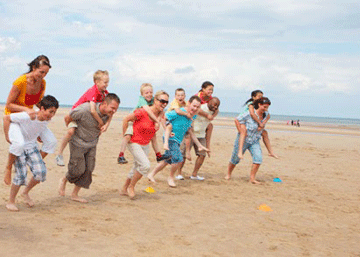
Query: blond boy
x=95 y=94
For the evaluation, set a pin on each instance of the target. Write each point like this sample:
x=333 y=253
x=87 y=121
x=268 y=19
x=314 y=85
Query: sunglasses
x=162 y=101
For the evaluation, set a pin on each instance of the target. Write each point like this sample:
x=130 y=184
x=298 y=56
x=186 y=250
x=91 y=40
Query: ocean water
x=307 y=119
x=284 y=118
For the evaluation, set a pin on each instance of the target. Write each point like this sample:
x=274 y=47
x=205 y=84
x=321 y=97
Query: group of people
x=185 y=123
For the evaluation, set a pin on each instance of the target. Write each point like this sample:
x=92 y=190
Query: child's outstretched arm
x=151 y=114
x=182 y=113
x=95 y=114
x=253 y=115
x=266 y=119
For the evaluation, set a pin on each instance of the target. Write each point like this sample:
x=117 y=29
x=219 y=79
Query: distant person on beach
x=28 y=153
x=180 y=125
x=95 y=94
x=249 y=109
x=298 y=123
x=253 y=136
x=199 y=127
x=27 y=91
x=83 y=144
x=143 y=131
x=292 y=122
x=146 y=99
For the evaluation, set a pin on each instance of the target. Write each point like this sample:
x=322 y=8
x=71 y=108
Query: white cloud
x=9 y=44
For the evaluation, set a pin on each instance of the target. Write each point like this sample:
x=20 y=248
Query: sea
x=355 y=123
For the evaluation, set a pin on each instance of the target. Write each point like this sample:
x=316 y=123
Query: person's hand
x=101 y=124
x=210 y=117
x=188 y=115
x=172 y=134
x=103 y=129
x=202 y=148
x=157 y=126
x=31 y=113
x=39 y=140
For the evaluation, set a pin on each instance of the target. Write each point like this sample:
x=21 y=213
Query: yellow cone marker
x=150 y=190
x=264 y=207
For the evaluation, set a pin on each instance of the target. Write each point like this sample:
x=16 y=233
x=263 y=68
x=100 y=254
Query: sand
x=315 y=210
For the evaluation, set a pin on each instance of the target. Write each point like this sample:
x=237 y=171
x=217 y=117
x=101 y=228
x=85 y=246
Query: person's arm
x=181 y=112
x=266 y=119
x=253 y=115
x=126 y=119
x=7 y=121
x=151 y=114
x=13 y=107
x=196 y=141
x=107 y=124
x=95 y=114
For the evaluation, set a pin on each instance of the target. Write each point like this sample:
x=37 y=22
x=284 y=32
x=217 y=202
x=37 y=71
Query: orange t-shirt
x=24 y=99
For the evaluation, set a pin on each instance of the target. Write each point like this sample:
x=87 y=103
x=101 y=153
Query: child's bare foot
x=273 y=155
x=11 y=207
x=131 y=192
x=76 y=198
x=151 y=178
x=227 y=177
x=255 y=182
x=28 y=200
x=62 y=186
x=7 y=176
x=171 y=182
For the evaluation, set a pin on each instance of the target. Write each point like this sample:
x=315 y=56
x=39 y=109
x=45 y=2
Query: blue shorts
x=254 y=149
x=176 y=156
x=33 y=159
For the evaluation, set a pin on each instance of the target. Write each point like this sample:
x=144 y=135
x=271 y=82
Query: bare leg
x=266 y=140
x=27 y=189
x=199 y=161
x=124 y=142
x=168 y=130
x=70 y=132
x=62 y=186
x=123 y=190
x=10 y=163
x=11 y=203
x=75 y=195
x=243 y=134
x=171 y=178
x=181 y=167
x=131 y=188
x=254 y=169
x=157 y=168
x=208 y=134
x=230 y=170
x=43 y=154
x=187 y=147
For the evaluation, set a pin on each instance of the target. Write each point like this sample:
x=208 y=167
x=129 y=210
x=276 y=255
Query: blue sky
x=304 y=55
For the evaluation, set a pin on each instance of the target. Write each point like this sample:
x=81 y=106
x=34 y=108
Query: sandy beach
x=315 y=209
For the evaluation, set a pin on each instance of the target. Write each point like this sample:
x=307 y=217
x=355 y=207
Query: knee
x=145 y=167
x=71 y=132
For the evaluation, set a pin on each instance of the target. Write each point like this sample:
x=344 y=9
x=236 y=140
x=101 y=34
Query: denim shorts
x=254 y=149
x=176 y=156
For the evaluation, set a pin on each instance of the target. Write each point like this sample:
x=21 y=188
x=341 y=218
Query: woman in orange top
x=27 y=91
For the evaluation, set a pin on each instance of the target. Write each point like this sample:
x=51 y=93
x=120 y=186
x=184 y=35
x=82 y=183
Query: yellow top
x=24 y=99
x=175 y=104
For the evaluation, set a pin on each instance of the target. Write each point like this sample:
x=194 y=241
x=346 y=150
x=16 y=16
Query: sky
x=304 y=55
